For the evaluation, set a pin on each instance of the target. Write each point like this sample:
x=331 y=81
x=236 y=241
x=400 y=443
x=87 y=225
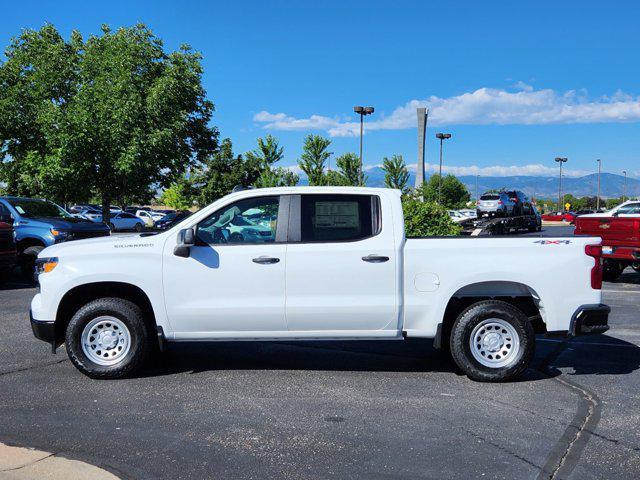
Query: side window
x=338 y=218
x=249 y=221
x=632 y=208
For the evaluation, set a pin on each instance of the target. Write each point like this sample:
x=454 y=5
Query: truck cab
x=314 y=263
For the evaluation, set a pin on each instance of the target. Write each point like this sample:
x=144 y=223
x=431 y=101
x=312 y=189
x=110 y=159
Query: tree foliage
x=424 y=219
x=314 y=157
x=223 y=171
x=454 y=193
x=112 y=116
x=268 y=152
x=277 y=177
x=396 y=174
x=180 y=195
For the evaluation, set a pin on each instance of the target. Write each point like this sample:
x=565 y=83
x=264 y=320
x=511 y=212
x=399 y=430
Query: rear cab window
x=338 y=218
x=490 y=197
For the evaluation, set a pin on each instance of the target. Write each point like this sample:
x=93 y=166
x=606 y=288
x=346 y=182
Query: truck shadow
x=353 y=356
x=597 y=355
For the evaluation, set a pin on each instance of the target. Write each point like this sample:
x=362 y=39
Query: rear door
x=341 y=265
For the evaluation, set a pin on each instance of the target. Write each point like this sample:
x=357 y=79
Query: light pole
x=598 y=195
x=442 y=137
x=624 y=191
x=477 y=197
x=362 y=111
x=560 y=160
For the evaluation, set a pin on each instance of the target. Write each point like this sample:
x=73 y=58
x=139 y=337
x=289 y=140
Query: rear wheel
x=138 y=227
x=107 y=338
x=612 y=270
x=492 y=341
x=636 y=266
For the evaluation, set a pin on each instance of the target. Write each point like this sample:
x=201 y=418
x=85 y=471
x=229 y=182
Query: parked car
x=337 y=265
x=495 y=204
x=8 y=252
x=469 y=212
x=630 y=208
x=556 y=217
x=520 y=201
x=457 y=216
x=149 y=217
x=620 y=238
x=91 y=214
x=585 y=212
x=171 y=219
x=125 y=221
x=39 y=223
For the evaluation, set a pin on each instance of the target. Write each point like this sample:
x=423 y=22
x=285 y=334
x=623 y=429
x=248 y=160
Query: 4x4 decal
x=553 y=242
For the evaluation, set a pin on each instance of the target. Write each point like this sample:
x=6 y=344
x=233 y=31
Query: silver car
x=495 y=204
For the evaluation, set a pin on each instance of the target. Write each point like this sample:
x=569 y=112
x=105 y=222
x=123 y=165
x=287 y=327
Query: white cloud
x=485 y=106
x=533 y=170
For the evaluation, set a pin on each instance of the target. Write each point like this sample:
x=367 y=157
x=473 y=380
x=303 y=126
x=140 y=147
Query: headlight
x=58 y=233
x=46 y=265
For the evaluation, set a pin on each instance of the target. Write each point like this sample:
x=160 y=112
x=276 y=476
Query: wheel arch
x=85 y=293
x=27 y=242
x=515 y=293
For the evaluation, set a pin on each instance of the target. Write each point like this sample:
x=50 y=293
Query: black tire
x=612 y=269
x=636 y=266
x=472 y=317
x=138 y=227
x=129 y=314
x=28 y=261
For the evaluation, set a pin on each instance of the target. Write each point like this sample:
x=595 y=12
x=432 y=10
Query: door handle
x=264 y=260
x=375 y=259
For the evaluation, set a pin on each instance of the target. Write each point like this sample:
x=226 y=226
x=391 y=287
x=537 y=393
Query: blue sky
x=516 y=83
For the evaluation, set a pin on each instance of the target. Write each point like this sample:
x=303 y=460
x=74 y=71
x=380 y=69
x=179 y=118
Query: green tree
x=179 y=195
x=268 y=152
x=277 y=177
x=113 y=116
x=396 y=174
x=223 y=171
x=313 y=158
x=423 y=219
x=454 y=193
x=349 y=167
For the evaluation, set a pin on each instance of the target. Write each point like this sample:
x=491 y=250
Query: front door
x=341 y=266
x=233 y=281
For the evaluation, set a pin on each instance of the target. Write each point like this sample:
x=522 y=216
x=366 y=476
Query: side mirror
x=186 y=240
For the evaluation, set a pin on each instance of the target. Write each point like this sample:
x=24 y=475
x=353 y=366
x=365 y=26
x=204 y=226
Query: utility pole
x=442 y=137
x=560 y=160
x=423 y=115
x=598 y=195
x=362 y=111
x=624 y=191
x=477 y=197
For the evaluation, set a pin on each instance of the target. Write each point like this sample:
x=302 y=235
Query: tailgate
x=613 y=230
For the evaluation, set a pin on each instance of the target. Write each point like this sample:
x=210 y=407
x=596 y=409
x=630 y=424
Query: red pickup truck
x=620 y=241
x=8 y=254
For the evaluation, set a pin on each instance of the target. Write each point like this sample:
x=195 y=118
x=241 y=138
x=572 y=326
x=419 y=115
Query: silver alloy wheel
x=106 y=340
x=494 y=343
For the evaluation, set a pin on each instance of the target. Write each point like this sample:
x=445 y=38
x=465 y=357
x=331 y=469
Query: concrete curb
x=18 y=463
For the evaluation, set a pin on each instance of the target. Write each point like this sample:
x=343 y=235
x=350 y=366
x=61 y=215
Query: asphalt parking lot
x=333 y=409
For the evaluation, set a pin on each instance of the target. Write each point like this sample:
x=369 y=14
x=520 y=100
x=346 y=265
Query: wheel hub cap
x=494 y=343
x=106 y=340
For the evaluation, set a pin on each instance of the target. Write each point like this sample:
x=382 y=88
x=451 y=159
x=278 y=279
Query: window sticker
x=19 y=209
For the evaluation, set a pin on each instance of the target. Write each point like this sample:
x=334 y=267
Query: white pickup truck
x=323 y=263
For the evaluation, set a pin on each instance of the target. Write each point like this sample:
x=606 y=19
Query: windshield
x=489 y=197
x=32 y=208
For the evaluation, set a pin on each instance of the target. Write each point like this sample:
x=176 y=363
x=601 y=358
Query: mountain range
x=611 y=185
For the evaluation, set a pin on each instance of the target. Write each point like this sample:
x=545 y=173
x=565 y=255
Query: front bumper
x=43 y=329
x=590 y=319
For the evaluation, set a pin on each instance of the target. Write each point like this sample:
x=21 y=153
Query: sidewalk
x=27 y=464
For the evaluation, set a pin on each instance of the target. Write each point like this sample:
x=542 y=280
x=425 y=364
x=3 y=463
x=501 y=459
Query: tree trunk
x=106 y=210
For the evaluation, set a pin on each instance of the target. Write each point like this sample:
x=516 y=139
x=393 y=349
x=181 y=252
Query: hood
x=111 y=245
x=73 y=224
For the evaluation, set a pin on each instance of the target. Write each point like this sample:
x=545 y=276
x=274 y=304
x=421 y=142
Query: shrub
x=424 y=219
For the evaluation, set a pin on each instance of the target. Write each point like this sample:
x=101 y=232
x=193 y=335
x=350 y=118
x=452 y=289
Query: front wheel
x=138 y=227
x=492 y=341
x=636 y=266
x=107 y=338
